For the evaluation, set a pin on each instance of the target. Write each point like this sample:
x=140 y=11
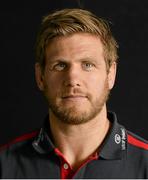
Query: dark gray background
x=22 y=106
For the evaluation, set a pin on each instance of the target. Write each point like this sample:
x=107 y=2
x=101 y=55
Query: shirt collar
x=113 y=147
x=115 y=143
x=43 y=142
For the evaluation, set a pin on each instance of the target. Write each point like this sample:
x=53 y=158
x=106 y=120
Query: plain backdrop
x=23 y=107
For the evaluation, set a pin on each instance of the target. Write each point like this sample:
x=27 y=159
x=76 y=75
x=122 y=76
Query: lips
x=74 y=96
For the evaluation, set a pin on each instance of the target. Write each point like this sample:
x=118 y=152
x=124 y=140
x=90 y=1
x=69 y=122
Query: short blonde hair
x=69 y=21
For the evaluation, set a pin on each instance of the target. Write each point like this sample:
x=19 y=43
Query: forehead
x=74 y=46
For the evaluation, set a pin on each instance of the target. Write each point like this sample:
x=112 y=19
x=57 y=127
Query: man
x=75 y=68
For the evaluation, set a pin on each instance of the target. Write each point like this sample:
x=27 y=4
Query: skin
x=76 y=84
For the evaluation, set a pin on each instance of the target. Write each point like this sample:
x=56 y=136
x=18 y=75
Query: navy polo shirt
x=122 y=155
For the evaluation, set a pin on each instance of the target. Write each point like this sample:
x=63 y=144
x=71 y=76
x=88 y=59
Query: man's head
x=76 y=64
x=69 y=21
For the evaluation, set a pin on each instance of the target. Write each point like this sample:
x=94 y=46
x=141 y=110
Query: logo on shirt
x=123 y=134
x=117 y=138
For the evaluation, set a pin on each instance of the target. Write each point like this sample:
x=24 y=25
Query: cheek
x=96 y=81
x=53 y=84
x=97 y=85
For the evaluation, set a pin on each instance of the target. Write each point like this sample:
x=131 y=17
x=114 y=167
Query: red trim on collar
x=136 y=142
x=19 y=139
x=67 y=171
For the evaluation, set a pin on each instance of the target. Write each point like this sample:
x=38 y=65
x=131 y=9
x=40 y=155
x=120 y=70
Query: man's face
x=75 y=80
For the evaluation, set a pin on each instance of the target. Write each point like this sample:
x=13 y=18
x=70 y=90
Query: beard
x=74 y=114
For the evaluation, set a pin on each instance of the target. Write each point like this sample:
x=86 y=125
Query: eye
x=87 y=66
x=60 y=66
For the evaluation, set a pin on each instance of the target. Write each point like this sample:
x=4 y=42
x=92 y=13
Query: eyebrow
x=85 y=59
x=52 y=61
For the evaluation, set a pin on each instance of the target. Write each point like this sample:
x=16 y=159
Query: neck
x=68 y=138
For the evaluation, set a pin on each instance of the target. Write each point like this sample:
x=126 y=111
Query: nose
x=72 y=77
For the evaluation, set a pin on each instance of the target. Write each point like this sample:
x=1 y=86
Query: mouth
x=74 y=97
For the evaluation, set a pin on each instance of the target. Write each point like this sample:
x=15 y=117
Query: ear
x=112 y=75
x=39 y=76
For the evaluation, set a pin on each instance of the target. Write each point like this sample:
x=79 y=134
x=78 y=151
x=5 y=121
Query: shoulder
x=137 y=150
x=15 y=153
x=137 y=141
x=17 y=143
